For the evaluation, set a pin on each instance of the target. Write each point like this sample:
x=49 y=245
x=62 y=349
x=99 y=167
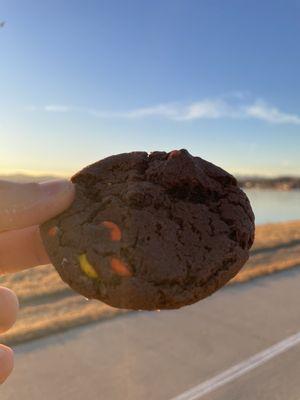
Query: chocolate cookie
x=151 y=231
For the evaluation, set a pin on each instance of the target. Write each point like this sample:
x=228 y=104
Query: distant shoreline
x=23 y=178
x=280 y=183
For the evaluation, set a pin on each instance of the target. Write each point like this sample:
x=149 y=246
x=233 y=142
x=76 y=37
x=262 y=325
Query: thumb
x=27 y=204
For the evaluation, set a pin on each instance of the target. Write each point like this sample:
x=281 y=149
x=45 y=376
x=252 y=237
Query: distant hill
x=27 y=178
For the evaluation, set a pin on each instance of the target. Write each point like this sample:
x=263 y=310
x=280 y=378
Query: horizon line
x=63 y=174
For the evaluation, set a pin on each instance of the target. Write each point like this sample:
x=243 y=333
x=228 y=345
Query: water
x=274 y=206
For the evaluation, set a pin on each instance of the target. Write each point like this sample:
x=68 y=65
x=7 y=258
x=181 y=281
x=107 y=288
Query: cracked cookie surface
x=151 y=231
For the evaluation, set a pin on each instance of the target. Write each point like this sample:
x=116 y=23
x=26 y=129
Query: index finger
x=28 y=204
x=21 y=249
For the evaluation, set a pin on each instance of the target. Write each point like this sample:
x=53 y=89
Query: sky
x=82 y=80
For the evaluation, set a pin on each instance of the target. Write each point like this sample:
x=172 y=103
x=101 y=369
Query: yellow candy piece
x=86 y=267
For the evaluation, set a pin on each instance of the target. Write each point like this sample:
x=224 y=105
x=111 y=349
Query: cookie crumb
x=64 y=261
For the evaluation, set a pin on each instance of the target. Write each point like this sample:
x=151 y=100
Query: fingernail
x=2 y=354
x=4 y=351
x=57 y=186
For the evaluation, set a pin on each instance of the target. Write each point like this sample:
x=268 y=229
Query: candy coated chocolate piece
x=53 y=231
x=115 y=231
x=87 y=267
x=119 y=267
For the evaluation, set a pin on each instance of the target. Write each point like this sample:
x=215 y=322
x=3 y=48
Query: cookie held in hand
x=151 y=231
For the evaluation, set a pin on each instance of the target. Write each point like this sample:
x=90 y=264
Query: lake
x=273 y=205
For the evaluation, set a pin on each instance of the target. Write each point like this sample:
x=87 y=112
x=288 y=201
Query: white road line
x=197 y=392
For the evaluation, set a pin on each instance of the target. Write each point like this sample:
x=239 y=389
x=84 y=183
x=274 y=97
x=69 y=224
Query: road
x=163 y=355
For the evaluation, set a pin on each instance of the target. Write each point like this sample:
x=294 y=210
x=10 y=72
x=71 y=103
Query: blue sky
x=81 y=80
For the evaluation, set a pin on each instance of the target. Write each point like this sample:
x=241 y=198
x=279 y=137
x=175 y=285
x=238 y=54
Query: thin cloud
x=233 y=106
x=261 y=110
x=161 y=110
x=57 y=108
x=207 y=109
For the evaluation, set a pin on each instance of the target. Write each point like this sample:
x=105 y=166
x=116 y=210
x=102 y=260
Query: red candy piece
x=174 y=154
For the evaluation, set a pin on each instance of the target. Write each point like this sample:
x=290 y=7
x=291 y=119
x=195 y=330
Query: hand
x=23 y=206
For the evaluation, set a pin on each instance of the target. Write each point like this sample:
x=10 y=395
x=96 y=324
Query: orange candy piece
x=53 y=231
x=119 y=267
x=115 y=231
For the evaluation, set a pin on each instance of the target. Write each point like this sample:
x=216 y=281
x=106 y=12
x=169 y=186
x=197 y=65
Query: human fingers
x=21 y=249
x=28 y=204
x=9 y=306
x=6 y=362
